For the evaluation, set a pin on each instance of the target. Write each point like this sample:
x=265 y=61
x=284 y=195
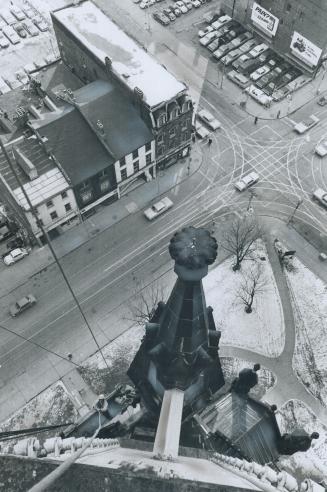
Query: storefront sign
x=263 y=19
x=302 y=48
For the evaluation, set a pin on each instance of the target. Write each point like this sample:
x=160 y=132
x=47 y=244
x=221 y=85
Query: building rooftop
x=130 y=62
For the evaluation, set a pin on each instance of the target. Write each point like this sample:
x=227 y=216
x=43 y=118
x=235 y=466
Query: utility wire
x=5 y=436
x=45 y=235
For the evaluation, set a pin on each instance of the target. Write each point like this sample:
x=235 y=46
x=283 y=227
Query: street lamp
x=299 y=202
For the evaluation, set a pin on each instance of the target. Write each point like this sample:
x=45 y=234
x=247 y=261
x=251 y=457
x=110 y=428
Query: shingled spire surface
x=180 y=348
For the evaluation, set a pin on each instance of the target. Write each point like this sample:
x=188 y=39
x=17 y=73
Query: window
x=68 y=207
x=172 y=132
x=136 y=166
x=148 y=159
x=122 y=162
x=160 y=138
x=160 y=150
x=53 y=215
x=161 y=119
x=135 y=154
x=104 y=185
x=64 y=194
x=147 y=146
x=49 y=204
x=86 y=196
x=174 y=113
x=123 y=173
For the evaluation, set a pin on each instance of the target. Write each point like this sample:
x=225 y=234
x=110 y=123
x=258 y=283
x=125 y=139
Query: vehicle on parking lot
x=240 y=61
x=182 y=7
x=210 y=17
x=208 y=38
x=214 y=45
x=11 y=34
x=205 y=31
x=306 y=125
x=230 y=57
x=321 y=196
x=248 y=45
x=280 y=94
x=18 y=13
x=247 y=181
x=251 y=64
x=30 y=27
x=162 y=18
x=40 y=23
x=259 y=95
x=188 y=4
x=221 y=21
x=209 y=119
x=269 y=77
x=241 y=39
x=14 y=256
x=258 y=50
x=201 y=131
x=4 y=42
x=196 y=3
x=29 y=12
x=24 y=303
x=238 y=78
x=321 y=149
x=322 y=101
x=222 y=51
x=259 y=72
x=158 y=208
x=171 y=16
x=177 y=12
x=19 y=28
x=8 y=17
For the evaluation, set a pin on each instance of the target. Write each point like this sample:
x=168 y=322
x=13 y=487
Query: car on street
x=230 y=57
x=258 y=50
x=11 y=34
x=238 y=78
x=259 y=72
x=201 y=131
x=209 y=119
x=158 y=208
x=259 y=95
x=247 y=181
x=322 y=101
x=24 y=303
x=321 y=196
x=161 y=18
x=14 y=256
x=306 y=125
x=321 y=149
x=205 y=31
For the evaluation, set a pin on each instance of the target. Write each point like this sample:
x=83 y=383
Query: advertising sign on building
x=304 y=49
x=264 y=20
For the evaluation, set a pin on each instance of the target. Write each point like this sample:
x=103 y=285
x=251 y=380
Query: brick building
x=296 y=29
x=94 y=47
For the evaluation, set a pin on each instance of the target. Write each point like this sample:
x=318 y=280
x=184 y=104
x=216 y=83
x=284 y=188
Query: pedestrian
x=255 y=120
x=69 y=356
x=278 y=114
x=209 y=141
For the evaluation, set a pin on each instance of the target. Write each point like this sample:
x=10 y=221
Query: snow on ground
x=263 y=329
x=51 y=407
x=309 y=301
x=313 y=463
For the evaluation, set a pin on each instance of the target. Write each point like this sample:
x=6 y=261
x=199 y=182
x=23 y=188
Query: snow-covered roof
x=130 y=62
x=42 y=188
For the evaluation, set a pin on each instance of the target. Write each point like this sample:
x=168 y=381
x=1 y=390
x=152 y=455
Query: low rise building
x=94 y=47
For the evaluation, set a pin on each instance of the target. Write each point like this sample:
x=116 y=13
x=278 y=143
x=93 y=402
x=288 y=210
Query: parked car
x=240 y=61
x=208 y=38
x=281 y=93
x=321 y=149
x=177 y=12
x=222 y=51
x=29 y=12
x=238 y=78
x=252 y=64
x=14 y=256
x=188 y=4
x=258 y=50
x=30 y=27
x=210 y=17
x=171 y=16
x=4 y=43
x=247 y=181
x=8 y=17
x=269 y=77
x=162 y=18
x=221 y=21
x=214 y=45
x=230 y=57
x=40 y=23
x=305 y=125
x=209 y=119
x=321 y=196
x=182 y=7
x=18 y=13
x=196 y=3
x=19 y=28
x=11 y=34
x=259 y=72
x=241 y=39
x=259 y=95
x=201 y=131
x=248 y=45
x=205 y=31
x=158 y=208
x=25 y=303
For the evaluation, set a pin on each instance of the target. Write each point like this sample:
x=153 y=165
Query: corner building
x=295 y=29
x=94 y=47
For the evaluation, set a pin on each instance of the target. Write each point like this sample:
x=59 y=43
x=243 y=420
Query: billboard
x=263 y=19
x=305 y=50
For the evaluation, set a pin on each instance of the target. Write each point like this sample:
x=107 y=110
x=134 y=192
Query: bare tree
x=240 y=239
x=144 y=301
x=253 y=282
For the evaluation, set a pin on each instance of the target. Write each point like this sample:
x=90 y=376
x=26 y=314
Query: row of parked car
x=254 y=66
x=171 y=12
x=17 y=24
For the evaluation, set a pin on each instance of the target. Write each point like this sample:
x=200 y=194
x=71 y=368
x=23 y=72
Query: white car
x=182 y=7
x=4 y=43
x=321 y=196
x=11 y=34
x=260 y=72
x=306 y=125
x=201 y=131
x=209 y=119
x=196 y=3
x=221 y=21
x=258 y=50
x=14 y=256
x=18 y=13
x=158 y=208
x=208 y=38
x=205 y=31
x=321 y=149
x=259 y=95
x=246 y=181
